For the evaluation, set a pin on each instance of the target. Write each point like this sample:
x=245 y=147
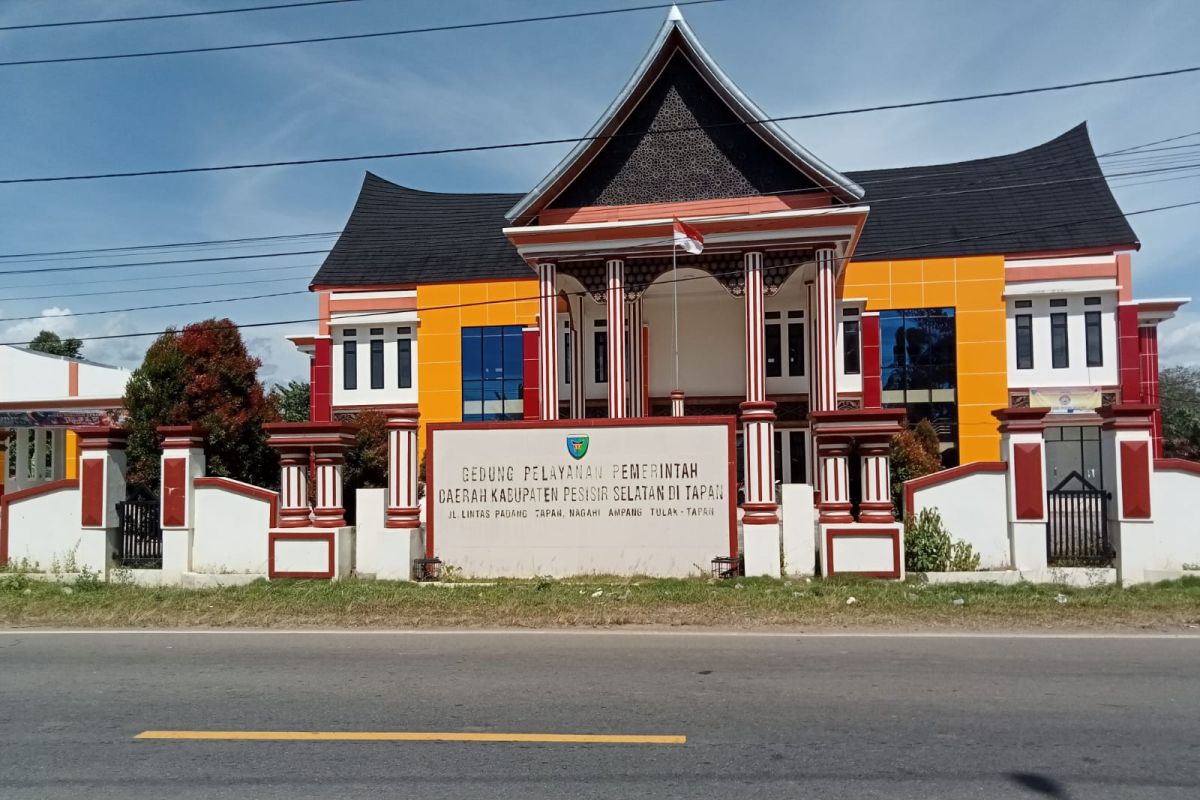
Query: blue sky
x=535 y=81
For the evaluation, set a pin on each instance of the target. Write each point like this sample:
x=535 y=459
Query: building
x=949 y=290
x=43 y=396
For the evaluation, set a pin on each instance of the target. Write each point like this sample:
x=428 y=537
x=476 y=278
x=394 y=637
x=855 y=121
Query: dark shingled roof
x=957 y=209
x=401 y=236
x=398 y=235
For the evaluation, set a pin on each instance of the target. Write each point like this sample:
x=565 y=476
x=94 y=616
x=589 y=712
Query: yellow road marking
x=409 y=736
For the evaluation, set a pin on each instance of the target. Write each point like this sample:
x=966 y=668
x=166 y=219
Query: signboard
x=570 y=497
x=1065 y=401
x=56 y=419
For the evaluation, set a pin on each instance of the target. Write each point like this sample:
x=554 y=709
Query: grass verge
x=743 y=603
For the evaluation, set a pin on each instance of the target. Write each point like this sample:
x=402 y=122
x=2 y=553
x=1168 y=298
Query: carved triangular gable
x=681 y=142
x=679 y=86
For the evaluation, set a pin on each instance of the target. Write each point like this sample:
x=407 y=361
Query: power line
x=153 y=307
x=881 y=201
x=450 y=306
x=154 y=17
x=132 y=248
x=145 y=289
x=350 y=36
x=608 y=137
x=144 y=278
x=39 y=270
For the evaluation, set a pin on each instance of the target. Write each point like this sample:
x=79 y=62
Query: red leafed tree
x=202 y=375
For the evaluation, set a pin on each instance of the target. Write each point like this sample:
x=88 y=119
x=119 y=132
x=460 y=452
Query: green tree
x=292 y=399
x=202 y=375
x=914 y=453
x=367 y=459
x=51 y=342
x=1179 y=394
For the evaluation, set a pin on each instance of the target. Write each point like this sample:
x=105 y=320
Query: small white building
x=41 y=397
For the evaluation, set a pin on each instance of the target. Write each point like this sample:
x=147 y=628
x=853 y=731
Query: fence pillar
x=1021 y=447
x=101 y=487
x=1127 y=453
x=402 y=508
x=182 y=462
x=4 y=432
x=330 y=453
x=876 y=506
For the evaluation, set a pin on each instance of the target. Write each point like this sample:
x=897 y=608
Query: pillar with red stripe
x=548 y=340
x=637 y=366
x=402 y=510
x=823 y=397
x=615 y=269
x=758 y=413
x=330 y=455
x=876 y=505
x=1148 y=372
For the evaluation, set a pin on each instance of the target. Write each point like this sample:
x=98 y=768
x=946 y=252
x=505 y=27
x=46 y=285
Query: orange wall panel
x=974 y=287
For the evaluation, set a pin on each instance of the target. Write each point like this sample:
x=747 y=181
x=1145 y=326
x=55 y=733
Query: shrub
x=928 y=546
x=914 y=453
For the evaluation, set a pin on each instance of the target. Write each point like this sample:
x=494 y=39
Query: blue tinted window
x=919 y=367
x=493 y=385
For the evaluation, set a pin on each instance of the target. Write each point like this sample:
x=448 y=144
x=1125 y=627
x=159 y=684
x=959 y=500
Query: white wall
x=1078 y=373
x=391 y=393
x=30 y=375
x=1175 y=504
x=45 y=529
x=231 y=531
x=974 y=509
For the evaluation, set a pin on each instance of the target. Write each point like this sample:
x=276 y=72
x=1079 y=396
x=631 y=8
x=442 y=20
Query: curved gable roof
x=1051 y=197
x=402 y=236
x=676 y=38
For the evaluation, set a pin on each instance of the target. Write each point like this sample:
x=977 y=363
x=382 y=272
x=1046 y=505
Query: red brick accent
x=1027 y=479
x=92 y=495
x=529 y=342
x=320 y=407
x=1135 y=480
x=872 y=382
x=174 y=492
x=1128 y=353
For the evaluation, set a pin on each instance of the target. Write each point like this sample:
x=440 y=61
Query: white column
x=21 y=472
x=402 y=508
x=760 y=520
x=182 y=462
x=677 y=398
x=637 y=367
x=293 y=488
x=1021 y=447
x=548 y=341
x=578 y=403
x=833 y=470
x=329 y=511
x=823 y=384
x=876 y=505
x=616 y=339
x=39 y=455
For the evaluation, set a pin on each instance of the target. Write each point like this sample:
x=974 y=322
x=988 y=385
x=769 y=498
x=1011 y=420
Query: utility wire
x=144 y=289
x=154 y=17
x=450 y=306
x=253 y=240
x=350 y=36
x=40 y=270
x=150 y=308
x=144 y=278
x=604 y=137
x=833 y=209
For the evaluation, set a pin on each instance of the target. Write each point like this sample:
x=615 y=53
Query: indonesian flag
x=687 y=237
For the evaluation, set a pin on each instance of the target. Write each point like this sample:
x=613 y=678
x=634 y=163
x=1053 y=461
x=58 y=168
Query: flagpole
x=675 y=313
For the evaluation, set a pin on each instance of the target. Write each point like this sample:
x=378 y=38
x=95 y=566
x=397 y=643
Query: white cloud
x=1179 y=340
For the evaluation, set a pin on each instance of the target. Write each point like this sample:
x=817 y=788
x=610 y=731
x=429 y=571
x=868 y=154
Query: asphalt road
x=764 y=716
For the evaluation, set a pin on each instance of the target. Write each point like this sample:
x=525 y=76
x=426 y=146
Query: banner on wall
x=56 y=419
x=1065 y=401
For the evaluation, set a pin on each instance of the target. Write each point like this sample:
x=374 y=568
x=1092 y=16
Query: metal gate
x=1077 y=524
x=139 y=544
